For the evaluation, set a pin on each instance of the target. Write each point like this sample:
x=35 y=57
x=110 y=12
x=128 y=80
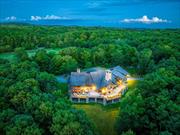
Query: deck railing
x=100 y=99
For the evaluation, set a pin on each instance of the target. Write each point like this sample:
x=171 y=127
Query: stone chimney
x=78 y=70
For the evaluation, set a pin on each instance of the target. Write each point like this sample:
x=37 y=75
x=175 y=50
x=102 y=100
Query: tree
x=5 y=118
x=132 y=111
x=129 y=132
x=29 y=104
x=99 y=58
x=43 y=60
x=85 y=60
x=47 y=82
x=153 y=107
x=144 y=59
x=68 y=64
x=23 y=124
x=63 y=64
x=21 y=54
x=71 y=122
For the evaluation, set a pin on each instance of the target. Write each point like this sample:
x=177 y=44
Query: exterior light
x=93 y=87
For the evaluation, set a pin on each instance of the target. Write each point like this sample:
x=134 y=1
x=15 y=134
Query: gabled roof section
x=120 y=70
x=118 y=74
x=79 y=79
x=97 y=77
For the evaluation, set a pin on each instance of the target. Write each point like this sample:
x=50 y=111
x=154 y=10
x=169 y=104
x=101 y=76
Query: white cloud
x=10 y=18
x=146 y=20
x=47 y=17
x=35 y=18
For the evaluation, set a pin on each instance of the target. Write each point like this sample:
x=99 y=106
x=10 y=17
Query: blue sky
x=120 y=13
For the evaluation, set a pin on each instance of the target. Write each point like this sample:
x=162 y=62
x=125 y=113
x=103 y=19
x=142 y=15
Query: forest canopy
x=34 y=103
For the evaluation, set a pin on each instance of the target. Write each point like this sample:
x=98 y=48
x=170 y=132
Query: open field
x=104 y=117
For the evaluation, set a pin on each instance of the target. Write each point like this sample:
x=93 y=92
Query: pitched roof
x=96 y=77
x=120 y=70
x=79 y=79
x=117 y=74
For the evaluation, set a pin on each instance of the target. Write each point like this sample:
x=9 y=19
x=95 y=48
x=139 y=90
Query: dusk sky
x=118 y=13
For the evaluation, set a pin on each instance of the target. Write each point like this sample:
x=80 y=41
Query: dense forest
x=33 y=102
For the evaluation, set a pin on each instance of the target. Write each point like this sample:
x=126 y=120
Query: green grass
x=132 y=84
x=11 y=56
x=104 y=117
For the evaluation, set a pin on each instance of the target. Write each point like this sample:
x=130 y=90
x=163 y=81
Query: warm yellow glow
x=111 y=91
x=84 y=88
x=93 y=87
x=104 y=90
x=131 y=83
x=119 y=82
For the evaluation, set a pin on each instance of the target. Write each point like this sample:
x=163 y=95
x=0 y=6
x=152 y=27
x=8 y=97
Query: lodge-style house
x=98 y=85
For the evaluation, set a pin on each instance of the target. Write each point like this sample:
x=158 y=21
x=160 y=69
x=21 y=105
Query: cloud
x=48 y=17
x=10 y=18
x=146 y=20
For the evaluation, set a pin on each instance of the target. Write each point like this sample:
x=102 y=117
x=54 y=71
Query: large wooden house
x=96 y=83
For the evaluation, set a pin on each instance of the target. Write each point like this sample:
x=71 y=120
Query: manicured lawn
x=104 y=117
